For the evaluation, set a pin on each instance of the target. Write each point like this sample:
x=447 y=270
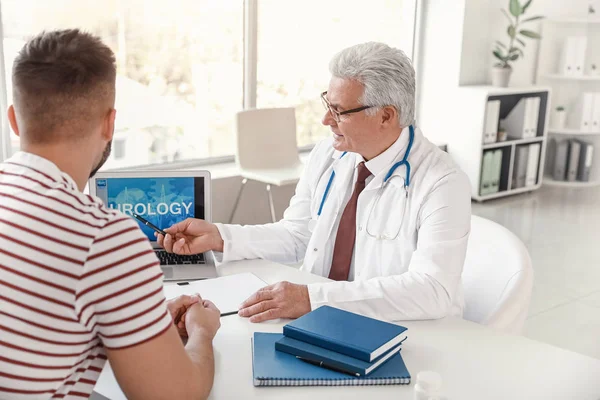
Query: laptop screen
x=162 y=201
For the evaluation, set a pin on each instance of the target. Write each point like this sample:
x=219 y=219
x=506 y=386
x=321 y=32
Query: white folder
x=596 y=113
x=583 y=112
x=492 y=115
x=568 y=56
x=535 y=114
x=532 y=164
x=581 y=46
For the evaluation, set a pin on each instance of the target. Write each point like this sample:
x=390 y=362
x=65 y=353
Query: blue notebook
x=347 y=333
x=275 y=368
x=331 y=358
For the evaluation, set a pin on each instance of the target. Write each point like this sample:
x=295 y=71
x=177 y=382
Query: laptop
x=163 y=198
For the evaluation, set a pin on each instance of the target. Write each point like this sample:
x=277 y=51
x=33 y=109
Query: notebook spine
x=298 y=334
x=298 y=352
x=331 y=382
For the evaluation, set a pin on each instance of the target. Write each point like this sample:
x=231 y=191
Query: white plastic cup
x=428 y=386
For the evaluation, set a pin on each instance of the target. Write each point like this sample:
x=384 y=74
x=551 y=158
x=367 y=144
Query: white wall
x=484 y=23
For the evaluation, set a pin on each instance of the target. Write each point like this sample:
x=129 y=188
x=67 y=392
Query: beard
x=105 y=156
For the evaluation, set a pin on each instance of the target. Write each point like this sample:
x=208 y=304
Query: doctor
x=380 y=209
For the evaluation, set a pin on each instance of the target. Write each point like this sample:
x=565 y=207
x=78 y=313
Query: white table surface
x=475 y=362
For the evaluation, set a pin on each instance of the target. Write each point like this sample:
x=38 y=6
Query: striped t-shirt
x=75 y=278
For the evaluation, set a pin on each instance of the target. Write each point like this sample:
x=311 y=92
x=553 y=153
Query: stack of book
x=331 y=347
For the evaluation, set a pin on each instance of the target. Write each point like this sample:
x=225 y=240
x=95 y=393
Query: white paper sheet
x=227 y=292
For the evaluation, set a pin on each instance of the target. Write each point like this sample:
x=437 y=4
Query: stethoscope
x=386 y=180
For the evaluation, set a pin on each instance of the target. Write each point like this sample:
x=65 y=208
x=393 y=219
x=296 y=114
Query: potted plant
x=560 y=118
x=509 y=53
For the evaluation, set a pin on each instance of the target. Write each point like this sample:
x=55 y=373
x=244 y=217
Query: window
x=180 y=69
x=181 y=63
x=297 y=39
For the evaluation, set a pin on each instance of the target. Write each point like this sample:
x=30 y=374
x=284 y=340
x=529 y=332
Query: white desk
x=475 y=362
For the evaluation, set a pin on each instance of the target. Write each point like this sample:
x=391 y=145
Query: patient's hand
x=192 y=236
x=281 y=300
x=177 y=308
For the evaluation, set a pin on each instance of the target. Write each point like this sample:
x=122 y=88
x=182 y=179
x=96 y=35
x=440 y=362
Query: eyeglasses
x=337 y=114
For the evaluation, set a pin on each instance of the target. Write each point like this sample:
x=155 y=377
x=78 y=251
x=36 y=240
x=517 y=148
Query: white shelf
x=548 y=181
x=572 y=77
x=510 y=142
x=504 y=193
x=567 y=131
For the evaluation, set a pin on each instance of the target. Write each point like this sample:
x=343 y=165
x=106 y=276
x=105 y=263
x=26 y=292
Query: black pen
x=327 y=366
x=149 y=224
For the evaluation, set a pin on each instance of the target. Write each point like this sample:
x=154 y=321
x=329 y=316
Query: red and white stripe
x=75 y=278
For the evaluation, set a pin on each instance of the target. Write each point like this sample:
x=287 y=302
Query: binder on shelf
x=568 y=56
x=535 y=114
x=595 y=127
x=492 y=115
x=522 y=121
x=560 y=160
x=583 y=112
x=486 y=173
x=520 y=167
x=585 y=161
x=497 y=171
x=532 y=164
x=573 y=162
x=581 y=46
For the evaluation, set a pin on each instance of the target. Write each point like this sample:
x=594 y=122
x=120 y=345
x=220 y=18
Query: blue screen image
x=162 y=201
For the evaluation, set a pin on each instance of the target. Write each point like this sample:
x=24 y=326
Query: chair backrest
x=266 y=138
x=497 y=277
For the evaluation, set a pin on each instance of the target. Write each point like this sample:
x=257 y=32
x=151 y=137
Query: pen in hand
x=326 y=366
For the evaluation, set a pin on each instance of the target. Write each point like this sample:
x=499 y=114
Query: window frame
x=250 y=61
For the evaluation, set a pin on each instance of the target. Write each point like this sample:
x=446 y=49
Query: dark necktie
x=346 y=234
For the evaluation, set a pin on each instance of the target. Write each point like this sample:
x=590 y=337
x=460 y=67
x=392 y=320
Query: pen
x=149 y=224
x=327 y=366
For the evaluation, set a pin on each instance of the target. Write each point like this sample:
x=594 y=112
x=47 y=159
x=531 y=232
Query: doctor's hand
x=281 y=300
x=192 y=236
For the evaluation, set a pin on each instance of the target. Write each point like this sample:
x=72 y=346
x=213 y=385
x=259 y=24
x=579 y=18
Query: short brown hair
x=62 y=81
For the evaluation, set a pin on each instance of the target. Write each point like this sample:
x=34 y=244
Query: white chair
x=497 y=277
x=267 y=150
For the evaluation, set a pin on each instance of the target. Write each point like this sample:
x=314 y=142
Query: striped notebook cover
x=275 y=368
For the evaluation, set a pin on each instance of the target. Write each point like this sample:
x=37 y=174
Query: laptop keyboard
x=176 y=259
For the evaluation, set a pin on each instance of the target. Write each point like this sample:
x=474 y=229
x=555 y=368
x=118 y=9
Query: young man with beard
x=79 y=283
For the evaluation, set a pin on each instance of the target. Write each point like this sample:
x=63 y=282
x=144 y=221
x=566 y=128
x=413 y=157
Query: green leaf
x=515 y=8
x=517 y=51
x=499 y=56
x=526 y=6
x=533 y=18
x=520 y=41
x=530 y=34
x=511 y=31
x=510 y=21
x=513 y=57
x=499 y=43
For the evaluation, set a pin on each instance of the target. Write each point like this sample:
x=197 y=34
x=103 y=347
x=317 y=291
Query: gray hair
x=386 y=73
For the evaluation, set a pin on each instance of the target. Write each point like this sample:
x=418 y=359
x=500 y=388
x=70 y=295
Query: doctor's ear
x=389 y=115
